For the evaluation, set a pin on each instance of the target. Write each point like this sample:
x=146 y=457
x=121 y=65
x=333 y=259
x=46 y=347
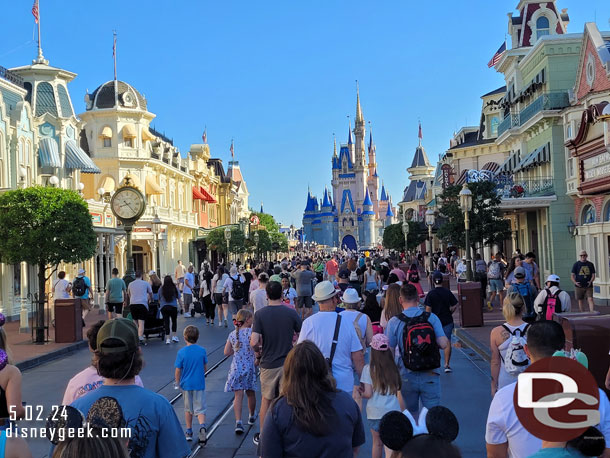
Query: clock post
x=130 y=273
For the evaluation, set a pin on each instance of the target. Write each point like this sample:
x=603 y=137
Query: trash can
x=469 y=299
x=68 y=321
x=590 y=333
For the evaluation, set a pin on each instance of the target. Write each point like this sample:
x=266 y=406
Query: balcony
x=10 y=77
x=526 y=187
x=548 y=101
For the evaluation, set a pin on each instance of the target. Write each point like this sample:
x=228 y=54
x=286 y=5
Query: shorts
x=304 y=301
x=270 y=382
x=235 y=306
x=188 y=299
x=85 y=304
x=582 y=293
x=218 y=298
x=374 y=424
x=138 y=311
x=448 y=329
x=114 y=307
x=194 y=402
x=496 y=284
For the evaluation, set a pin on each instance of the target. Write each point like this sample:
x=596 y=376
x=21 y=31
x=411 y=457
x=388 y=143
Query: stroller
x=153 y=325
x=197 y=304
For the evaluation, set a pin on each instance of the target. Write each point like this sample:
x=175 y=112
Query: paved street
x=465 y=391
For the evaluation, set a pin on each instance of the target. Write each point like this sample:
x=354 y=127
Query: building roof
x=234 y=171
x=367 y=199
x=415 y=191
x=420 y=159
x=326 y=203
x=384 y=195
x=347 y=200
x=470 y=139
x=338 y=161
x=219 y=170
x=128 y=97
x=389 y=212
x=500 y=90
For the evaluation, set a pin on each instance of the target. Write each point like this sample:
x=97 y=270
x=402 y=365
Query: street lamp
x=466 y=205
x=227 y=238
x=256 y=236
x=405 y=231
x=430 y=219
x=156 y=226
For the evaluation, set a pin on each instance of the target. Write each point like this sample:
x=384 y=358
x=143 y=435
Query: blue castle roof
x=384 y=195
x=389 y=212
x=343 y=152
x=367 y=200
x=349 y=135
x=326 y=202
x=311 y=203
x=347 y=200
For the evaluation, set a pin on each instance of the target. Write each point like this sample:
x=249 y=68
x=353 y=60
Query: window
x=588 y=215
x=128 y=142
x=107 y=142
x=542 y=27
x=494 y=126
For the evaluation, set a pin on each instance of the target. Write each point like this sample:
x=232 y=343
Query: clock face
x=127 y=204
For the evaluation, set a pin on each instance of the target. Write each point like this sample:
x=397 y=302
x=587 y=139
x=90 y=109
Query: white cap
x=81 y=271
x=152 y=272
x=553 y=278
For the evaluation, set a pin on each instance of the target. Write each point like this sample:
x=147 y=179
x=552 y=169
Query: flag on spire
x=232 y=151
x=497 y=56
x=35 y=11
x=204 y=137
x=113 y=52
x=419 y=134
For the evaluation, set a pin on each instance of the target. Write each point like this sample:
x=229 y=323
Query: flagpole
x=116 y=89
x=40 y=56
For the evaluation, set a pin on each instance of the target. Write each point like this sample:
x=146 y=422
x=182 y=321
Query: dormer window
x=542 y=27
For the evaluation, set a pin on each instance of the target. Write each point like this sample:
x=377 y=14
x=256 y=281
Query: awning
x=147 y=136
x=108 y=184
x=536 y=157
x=152 y=187
x=48 y=153
x=462 y=179
x=508 y=165
x=106 y=132
x=207 y=196
x=129 y=131
x=197 y=194
x=76 y=158
x=493 y=167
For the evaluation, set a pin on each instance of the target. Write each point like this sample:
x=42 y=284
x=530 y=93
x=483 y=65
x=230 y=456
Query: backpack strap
x=333 y=348
x=507 y=329
x=358 y=330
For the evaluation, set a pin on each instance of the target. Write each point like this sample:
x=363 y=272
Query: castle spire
x=349 y=131
x=335 y=145
x=359 y=117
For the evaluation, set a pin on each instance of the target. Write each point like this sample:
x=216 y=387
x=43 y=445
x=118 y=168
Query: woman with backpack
x=373 y=311
x=506 y=343
x=413 y=279
x=354 y=277
x=169 y=299
x=370 y=277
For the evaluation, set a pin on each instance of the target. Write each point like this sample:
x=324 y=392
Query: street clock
x=128 y=203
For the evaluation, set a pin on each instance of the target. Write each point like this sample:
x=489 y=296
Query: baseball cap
x=121 y=329
x=553 y=277
x=519 y=272
x=437 y=277
x=583 y=253
x=152 y=272
x=81 y=271
x=380 y=342
x=344 y=274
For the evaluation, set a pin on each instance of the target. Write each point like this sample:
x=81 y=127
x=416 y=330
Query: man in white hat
x=81 y=289
x=335 y=337
x=562 y=303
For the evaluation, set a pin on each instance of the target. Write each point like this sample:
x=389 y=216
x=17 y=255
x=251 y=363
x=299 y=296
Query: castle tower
x=359 y=155
x=309 y=216
x=327 y=218
x=420 y=167
x=389 y=215
x=373 y=178
x=383 y=202
x=368 y=236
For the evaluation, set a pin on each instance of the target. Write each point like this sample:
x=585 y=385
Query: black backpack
x=421 y=352
x=238 y=291
x=79 y=287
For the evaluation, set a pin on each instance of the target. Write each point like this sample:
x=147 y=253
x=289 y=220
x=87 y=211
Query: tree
x=281 y=240
x=216 y=240
x=487 y=226
x=394 y=238
x=268 y=221
x=44 y=227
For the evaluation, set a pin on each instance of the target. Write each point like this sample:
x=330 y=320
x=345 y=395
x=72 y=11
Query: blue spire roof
x=375 y=173
x=384 y=195
x=311 y=203
x=371 y=140
x=344 y=152
x=349 y=134
x=389 y=212
x=367 y=199
x=347 y=200
x=326 y=202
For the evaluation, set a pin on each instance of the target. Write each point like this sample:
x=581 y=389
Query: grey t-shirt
x=304 y=282
x=277 y=324
x=138 y=292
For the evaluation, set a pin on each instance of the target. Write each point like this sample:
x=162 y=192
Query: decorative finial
x=334 y=145
x=359 y=117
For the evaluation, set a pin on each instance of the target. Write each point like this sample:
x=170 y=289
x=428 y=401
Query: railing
x=11 y=77
x=526 y=187
x=548 y=101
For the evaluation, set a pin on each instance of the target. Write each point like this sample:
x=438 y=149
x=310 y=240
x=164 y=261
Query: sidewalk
x=26 y=354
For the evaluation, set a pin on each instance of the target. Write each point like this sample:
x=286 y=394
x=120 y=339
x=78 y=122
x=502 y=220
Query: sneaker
x=226 y=325
x=175 y=339
x=239 y=428
x=167 y=341
x=189 y=434
x=489 y=306
x=256 y=438
x=203 y=435
x=181 y=311
x=187 y=315
x=220 y=324
x=252 y=419
x=447 y=369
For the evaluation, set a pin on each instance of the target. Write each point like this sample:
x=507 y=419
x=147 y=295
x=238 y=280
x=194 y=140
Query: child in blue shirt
x=191 y=364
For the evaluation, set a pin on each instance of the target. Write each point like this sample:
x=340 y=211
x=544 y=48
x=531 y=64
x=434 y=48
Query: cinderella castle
x=352 y=215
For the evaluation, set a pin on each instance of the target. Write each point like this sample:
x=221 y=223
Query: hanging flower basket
x=517 y=191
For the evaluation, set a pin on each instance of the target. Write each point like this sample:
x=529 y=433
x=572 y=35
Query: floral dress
x=242 y=374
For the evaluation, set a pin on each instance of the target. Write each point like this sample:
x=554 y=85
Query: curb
x=55 y=354
x=472 y=343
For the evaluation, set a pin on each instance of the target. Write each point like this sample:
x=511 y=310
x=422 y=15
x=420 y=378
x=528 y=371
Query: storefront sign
x=142 y=229
x=597 y=166
x=109 y=220
x=96 y=219
x=446 y=176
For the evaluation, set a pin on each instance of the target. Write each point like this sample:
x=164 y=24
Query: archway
x=349 y=242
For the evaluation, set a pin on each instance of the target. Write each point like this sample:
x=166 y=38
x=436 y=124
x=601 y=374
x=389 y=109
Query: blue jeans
x=420 y=385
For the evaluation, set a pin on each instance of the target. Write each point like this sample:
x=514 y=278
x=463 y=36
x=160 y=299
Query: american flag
x=419 y=134
x=232 y=150
x=113 y=45
x=35 y=11
x=497 y=56
x=204 y=137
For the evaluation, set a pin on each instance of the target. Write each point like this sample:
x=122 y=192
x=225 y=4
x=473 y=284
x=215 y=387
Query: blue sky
x=279 y=76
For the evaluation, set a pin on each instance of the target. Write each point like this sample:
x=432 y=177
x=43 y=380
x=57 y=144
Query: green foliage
x=216 y=240
x=281 y=240
x=268 y=221
x=394 y=238
x=486 y=222
x=45 y=226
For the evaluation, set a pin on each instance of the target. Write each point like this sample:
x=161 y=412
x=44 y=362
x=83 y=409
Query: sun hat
x=324 y=291
x=380 y=342
x=553 y=278
x=350 y=296
x=121 y=329
x=519 y=272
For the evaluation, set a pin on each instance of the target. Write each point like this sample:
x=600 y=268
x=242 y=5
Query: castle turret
x=368 y=235
x=389 y=215
x=360 y=170
x=327 y=219
x=373 y=179
x=309 y=216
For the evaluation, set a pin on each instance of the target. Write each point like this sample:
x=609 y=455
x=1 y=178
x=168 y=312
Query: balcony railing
x=548 y=101
x=11 y=77
x=526 y=187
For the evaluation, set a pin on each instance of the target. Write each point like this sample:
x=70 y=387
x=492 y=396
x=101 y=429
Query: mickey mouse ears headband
x=396 y=428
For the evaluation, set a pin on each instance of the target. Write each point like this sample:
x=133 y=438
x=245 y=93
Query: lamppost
x=228 y=238
x=156 y=226
x=466 y=205
x=430 y=219
x=256 y=236
x=405 y=231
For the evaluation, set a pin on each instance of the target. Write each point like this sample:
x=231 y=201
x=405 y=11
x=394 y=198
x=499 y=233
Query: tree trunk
x=40 y=305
